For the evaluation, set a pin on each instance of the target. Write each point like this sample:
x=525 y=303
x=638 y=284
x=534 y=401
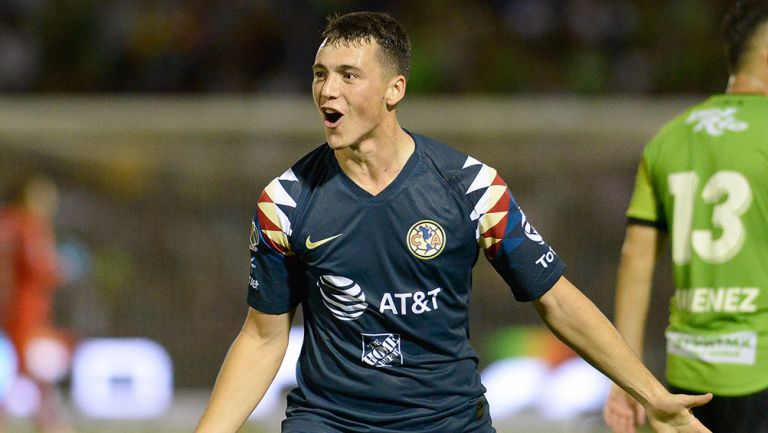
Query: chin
x=335 y=141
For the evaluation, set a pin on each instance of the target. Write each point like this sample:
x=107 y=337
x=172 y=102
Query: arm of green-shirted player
x=580 y=324
x=633 y=295
x=247 y=371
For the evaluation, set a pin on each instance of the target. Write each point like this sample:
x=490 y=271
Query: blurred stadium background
x=162 y=120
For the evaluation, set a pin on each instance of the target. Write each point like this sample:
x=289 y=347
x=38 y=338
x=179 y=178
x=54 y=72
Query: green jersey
x=704 y=178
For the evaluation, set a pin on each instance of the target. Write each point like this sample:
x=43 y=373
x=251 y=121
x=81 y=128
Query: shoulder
x=457 y=167
x=284 y=193
x=277 y=205
x=440 y=154
x=677 y=131
x=479 y=185
x=312 y=165
x=311 y=168
x=680 y=121
x=307 y=172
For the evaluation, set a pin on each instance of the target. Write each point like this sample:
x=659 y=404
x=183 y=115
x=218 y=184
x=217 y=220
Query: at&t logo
x=343 y=297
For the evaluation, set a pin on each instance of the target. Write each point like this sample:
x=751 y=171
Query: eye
x=349 y=76
x=318 y=75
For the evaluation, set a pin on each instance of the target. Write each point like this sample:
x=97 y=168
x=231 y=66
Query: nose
x=330 y=87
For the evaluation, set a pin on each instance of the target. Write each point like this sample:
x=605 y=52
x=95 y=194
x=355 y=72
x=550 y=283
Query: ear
x=395 y=90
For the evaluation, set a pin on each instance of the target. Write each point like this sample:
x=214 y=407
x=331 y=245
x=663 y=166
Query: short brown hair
x=358 y=27
x=741 y=24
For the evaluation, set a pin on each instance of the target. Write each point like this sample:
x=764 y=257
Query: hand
x=623 y=413
x=672 y=414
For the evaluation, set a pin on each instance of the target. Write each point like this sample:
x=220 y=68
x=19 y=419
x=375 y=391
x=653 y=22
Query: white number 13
x=725 y=216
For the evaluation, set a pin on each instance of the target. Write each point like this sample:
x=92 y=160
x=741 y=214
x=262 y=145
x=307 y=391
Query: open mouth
x=332 y=117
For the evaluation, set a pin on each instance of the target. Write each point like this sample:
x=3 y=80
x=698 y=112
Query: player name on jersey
x=724 y=299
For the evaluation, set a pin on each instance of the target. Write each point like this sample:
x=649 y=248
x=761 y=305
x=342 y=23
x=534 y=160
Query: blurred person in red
x=28 y=279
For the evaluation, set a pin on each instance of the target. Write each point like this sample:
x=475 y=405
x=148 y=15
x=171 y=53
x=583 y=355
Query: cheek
x=370 y=103
x=315 y=93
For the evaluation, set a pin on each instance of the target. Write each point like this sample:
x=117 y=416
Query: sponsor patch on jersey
x=382 y=350
x=426 y=239
x=716 y=121
x=343 y=297
x=252 y=281
x=733 y=348
x=529 y=231
x=254 y=238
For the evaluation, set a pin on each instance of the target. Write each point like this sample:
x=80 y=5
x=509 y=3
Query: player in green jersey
x=703 y=181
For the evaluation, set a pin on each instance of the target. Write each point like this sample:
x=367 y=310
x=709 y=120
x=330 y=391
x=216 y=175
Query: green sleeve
x=644 y=206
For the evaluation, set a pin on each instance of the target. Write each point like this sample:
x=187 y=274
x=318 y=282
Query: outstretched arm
x=633 y=294
x=581 y=325
x=247 y=371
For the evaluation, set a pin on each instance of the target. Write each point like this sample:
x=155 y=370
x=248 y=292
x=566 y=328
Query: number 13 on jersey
x=730 y=194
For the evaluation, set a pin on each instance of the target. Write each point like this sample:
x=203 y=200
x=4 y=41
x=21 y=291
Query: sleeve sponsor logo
x=381 y=350
x=252 y=281
x=529 y=231
x=426 y=239
x=547 y=258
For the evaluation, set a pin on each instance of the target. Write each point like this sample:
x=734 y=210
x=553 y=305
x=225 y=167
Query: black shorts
x=474 y=417
x=743 y=414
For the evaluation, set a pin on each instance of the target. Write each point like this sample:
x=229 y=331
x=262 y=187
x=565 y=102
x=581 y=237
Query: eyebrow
x=337 y=68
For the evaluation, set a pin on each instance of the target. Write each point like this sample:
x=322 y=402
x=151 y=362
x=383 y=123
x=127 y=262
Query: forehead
x=358 y=53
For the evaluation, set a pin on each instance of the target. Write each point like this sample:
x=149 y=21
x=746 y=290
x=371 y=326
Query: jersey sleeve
x=273 y=287
x=515 y=249
x=644 y=206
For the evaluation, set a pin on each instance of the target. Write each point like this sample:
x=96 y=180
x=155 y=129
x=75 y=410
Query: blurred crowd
x=267 y=46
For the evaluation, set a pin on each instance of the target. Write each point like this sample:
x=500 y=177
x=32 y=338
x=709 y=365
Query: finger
x=696 y=400
x=620 y=423
x=629 y=425
x=614 y=409
x=639 y=414
x=612 y=420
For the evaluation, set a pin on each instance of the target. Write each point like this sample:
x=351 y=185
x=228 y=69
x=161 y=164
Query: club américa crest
x=426 y=239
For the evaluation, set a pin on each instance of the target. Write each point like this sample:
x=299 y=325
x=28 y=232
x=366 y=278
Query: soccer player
x=375 y=234
x=704 y=180
x=28 y=281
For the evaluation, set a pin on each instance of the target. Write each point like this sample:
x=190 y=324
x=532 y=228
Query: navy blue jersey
x=384 y=282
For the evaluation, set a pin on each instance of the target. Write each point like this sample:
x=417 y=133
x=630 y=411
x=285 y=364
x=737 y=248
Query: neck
x=745 y=82
x=377 y=160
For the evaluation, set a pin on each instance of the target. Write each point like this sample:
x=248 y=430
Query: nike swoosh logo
x=312 y=245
